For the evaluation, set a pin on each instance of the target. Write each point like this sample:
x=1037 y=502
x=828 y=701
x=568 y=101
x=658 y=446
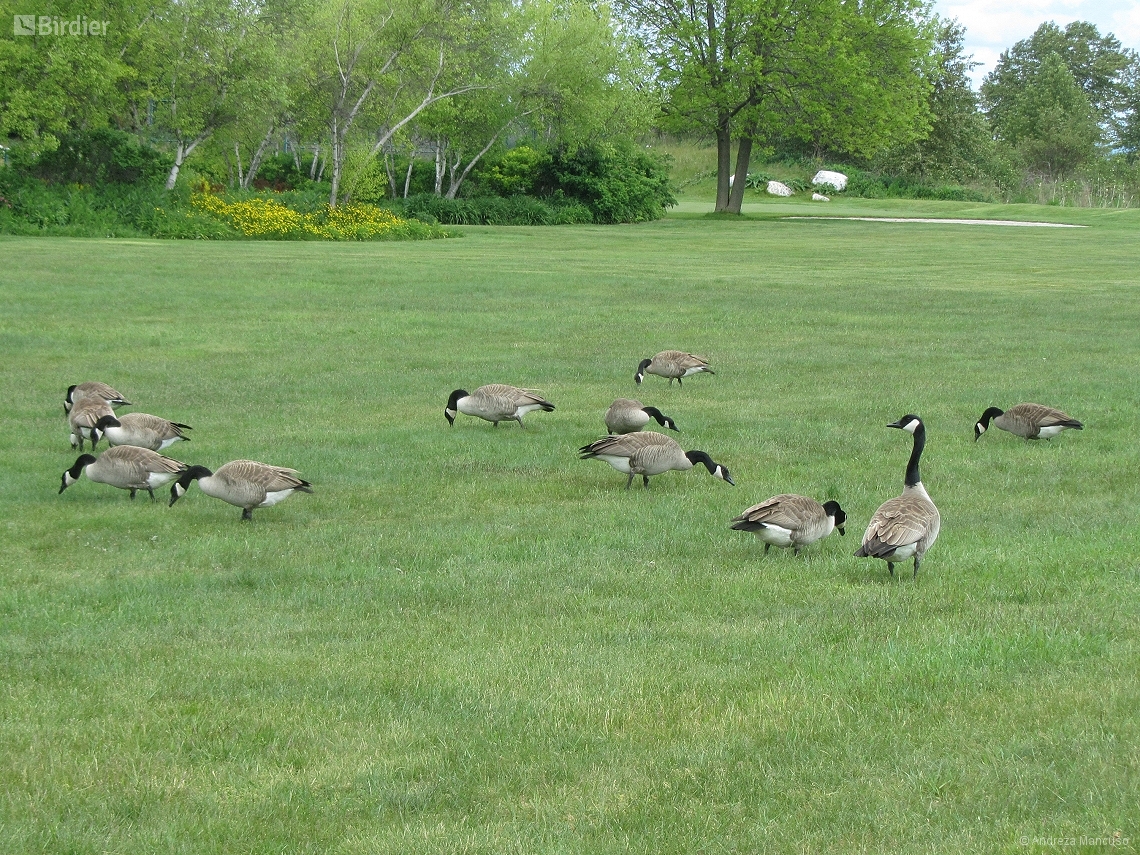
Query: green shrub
x=618 y=182
x=494 y=210
x=100 y=156
x=515 y=172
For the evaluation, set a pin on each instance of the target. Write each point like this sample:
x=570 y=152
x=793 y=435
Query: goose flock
x=133 y=463
x=902 y=529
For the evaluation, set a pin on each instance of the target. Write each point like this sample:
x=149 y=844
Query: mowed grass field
x=468 y=640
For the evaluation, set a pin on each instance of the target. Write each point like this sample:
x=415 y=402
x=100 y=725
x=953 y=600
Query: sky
x=993 y=25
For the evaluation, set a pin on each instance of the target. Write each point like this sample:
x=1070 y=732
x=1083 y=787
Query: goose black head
x=637 y=378
x=67 y=402
x=832 y=509
x=910 y=423
x=452 y=401
x=984 y=422
x=189 y=475
x=100 y=428
x=715 y=469
x=662 y=419
x=72 y=474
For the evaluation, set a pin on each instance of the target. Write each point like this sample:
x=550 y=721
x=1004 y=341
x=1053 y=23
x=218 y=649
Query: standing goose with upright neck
x=907 y=525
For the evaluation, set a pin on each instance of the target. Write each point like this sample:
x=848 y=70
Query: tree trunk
x=408 y=177
x=390 y=171
x=255 y=161
x=440 y=165
x=237 y=156
x=181 y=152
x=313 y=165
x=740 y=177
x=723 y=162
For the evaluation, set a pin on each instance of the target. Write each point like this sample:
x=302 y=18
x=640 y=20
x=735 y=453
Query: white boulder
x=835 y=179
x=778 y=189
x=819 y=197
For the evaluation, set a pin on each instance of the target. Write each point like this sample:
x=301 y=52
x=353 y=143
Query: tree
x=958 y=142
x=842 y=76
x=50 y=84
x=1098 y=65
x=385 y=59
x=558 y=70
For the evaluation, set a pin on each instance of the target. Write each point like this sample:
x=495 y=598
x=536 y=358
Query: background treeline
x=537 y=110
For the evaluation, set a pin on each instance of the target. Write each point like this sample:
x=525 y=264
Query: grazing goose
x=648 y=453
x=127 y=467
x=83 y=418
x=495 y=403
x=626 y=415
x=673 y=364
x=906 y=526
x=790 y=520
x=246 y=484
x=1032 y=421
x=93 y=389
x=141 y=429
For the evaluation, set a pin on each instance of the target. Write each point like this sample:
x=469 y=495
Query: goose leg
x=645 y=481
x=629 y=482
x=916 y=561
x=151 y=491
x=796 y=550
x=132 y=494
x=767 y=546
x=247 y=514
x=891 y=568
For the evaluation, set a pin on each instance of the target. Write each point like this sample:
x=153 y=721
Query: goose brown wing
x=786 y=511
x=1041 y=415
x=140 y=462
x=264 y=476
x=898 y=522
x=160 y=426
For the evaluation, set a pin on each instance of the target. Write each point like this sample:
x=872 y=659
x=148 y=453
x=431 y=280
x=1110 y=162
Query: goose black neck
x=990 y=413
x=912 y=476
x=193 y=473
x=696 y=457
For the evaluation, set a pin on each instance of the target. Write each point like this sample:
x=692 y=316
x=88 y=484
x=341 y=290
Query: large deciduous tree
x=958 y=143
x=1027 y=83
x=843 y=77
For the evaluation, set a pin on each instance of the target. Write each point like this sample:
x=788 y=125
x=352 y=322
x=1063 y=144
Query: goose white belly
x=901 y=553
x=526 y=408
x=276 y=496
x=159 y=479
x=691 y=371
x=621 y=464
x=775 y=535
x=1049 y=432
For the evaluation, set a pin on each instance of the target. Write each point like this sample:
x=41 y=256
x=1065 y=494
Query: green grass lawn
x=467 y=640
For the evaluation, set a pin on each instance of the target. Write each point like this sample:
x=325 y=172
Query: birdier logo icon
x=24 y=25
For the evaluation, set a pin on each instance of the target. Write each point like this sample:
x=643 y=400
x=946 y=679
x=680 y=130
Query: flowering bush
x=267 y=218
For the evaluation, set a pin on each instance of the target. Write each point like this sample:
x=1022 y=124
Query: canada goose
x=141 y=429
x=127 y=467
x=790 y=520
x=93 y=389
x=907 y=525
x=626 y=415
x=495 y=403
x=246 y=484
x=648 y=453
x=83 y=417
x=673 y=364
x=1032 y=421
